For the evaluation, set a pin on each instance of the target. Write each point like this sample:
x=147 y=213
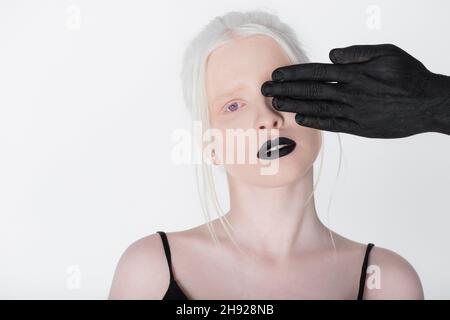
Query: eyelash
x=226 y=107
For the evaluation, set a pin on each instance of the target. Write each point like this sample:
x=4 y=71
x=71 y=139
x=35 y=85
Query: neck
x=274 y=222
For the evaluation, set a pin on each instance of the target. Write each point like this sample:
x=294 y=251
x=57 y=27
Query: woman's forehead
x=242 y=60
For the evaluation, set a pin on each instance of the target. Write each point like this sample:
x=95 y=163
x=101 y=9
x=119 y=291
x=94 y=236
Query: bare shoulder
x=390 y=276
x=142 y=271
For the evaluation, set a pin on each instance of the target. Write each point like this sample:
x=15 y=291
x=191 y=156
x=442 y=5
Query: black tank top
x=174 y=292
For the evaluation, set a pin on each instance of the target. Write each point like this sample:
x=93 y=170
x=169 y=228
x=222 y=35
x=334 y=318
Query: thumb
x=360 y=53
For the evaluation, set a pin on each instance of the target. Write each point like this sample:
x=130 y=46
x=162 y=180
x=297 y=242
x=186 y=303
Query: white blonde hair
x=216 y=33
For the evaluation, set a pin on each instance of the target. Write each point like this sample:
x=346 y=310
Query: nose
x=268 y=117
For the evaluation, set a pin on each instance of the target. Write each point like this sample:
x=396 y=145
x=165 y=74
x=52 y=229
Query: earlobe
x=213 y=157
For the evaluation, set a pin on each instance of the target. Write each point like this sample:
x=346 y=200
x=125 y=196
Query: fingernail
x=276 y=103
x=266 y=89
x=335 y=54
x=277 y=75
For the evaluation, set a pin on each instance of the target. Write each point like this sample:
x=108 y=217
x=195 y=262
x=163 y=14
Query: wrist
x=439 y=110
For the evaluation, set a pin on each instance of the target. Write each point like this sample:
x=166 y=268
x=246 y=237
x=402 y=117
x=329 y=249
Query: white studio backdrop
x=90 y=95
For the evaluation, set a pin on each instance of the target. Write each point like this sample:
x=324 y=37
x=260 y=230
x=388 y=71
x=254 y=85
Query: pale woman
x=272 y=244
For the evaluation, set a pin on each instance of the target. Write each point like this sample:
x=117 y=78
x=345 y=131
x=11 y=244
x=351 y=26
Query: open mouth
x=276 y=148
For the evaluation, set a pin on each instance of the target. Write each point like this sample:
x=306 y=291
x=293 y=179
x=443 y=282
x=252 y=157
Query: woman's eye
x=231 y=107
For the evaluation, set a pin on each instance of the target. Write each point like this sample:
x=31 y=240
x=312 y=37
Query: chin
x=287 y=172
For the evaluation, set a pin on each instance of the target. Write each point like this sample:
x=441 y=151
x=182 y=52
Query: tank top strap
x=167 y=252
x=362 y=280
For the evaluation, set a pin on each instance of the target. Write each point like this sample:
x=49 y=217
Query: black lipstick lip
x=269 y=155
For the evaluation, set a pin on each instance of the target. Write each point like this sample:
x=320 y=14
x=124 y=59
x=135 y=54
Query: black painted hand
x=374 y=91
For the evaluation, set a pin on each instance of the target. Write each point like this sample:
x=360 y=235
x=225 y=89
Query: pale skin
x=288 y=253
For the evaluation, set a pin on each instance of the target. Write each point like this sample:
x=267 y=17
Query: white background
x=87 y=109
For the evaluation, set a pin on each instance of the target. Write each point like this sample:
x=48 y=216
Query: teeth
x=277 y=147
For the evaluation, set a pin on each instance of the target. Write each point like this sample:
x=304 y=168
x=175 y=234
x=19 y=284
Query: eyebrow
x=230 y=91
